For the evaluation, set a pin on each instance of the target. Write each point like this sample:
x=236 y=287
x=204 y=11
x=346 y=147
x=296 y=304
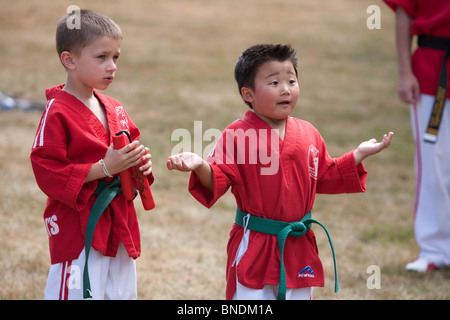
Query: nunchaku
x=133 y=177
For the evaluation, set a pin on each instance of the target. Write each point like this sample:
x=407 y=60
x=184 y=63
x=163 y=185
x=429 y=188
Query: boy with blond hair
x=76 y=166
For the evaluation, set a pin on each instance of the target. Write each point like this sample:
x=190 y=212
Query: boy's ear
x=67 y=60
x=247 y=94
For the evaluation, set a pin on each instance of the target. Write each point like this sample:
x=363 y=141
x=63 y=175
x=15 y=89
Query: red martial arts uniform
x=69 y=140
x=429 y=18
x=303 y=167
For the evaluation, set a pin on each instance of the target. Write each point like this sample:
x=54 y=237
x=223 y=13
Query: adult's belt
x=443 y=44
x=282 y=230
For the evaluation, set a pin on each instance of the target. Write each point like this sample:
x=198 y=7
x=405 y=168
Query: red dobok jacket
x=69 y=140
x=275 y=179
x=430 y=18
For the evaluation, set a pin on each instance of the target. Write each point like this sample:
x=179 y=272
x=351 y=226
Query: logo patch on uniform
x=307 y=272
x=122 y=117
x=313 y=160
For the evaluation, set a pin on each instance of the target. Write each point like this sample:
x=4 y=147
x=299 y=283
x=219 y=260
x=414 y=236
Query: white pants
x=267 y=292
x=110 y=278
x=432 y=198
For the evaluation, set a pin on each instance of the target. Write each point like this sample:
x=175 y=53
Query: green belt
x=282 y=230
x=106 y=192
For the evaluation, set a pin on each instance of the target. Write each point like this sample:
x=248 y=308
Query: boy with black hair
x=272 y=251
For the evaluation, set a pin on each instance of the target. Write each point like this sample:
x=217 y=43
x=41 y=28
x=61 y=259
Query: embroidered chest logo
x=307 y=272
x=121 y=116
x=313 y=160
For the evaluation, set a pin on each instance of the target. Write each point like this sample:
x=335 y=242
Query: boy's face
x=96 y=64
x=275 y=92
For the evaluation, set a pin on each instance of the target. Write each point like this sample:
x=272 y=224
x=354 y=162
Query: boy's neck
x=281 y=126
x=85 y=95
x=277 y=124
x=88 y=98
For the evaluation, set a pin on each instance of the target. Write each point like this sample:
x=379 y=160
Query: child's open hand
x=368 y=148
x=186 y=161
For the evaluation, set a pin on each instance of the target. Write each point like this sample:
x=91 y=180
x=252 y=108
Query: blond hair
x=89 y=26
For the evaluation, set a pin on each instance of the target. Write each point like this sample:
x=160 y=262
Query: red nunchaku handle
x=119 y=142
x=140 y=180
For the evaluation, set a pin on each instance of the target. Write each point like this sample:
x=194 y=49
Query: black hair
x=251 y=59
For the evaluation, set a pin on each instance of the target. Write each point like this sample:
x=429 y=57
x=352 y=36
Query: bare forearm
x=403 y=41
x=96 y=172
x=408 y=85
x=204 y=174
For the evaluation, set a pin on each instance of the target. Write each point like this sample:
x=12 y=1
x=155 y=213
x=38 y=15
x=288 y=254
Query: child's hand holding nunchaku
x=133 y=164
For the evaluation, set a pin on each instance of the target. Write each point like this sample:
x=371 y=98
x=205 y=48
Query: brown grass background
x=177 y=67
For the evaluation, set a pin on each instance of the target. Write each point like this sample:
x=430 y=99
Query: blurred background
x=176 y=67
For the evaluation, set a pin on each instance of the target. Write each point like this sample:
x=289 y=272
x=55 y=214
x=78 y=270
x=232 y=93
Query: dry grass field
x=176 y=67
